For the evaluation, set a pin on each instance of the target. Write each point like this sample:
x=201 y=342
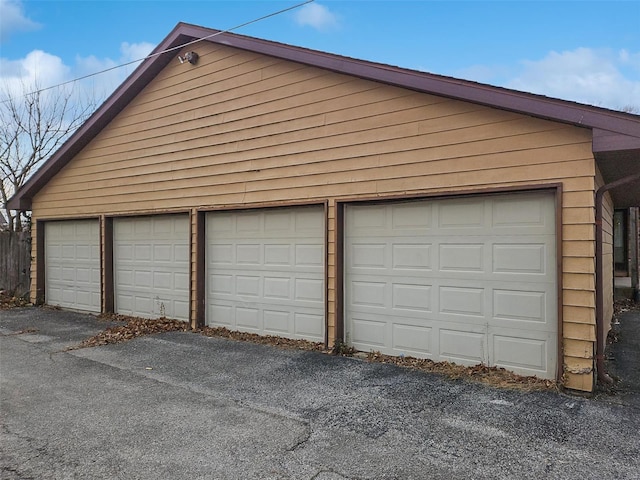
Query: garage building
x=278 y=190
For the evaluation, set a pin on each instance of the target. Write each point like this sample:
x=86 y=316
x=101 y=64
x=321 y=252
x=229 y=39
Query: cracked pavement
x=180 y=405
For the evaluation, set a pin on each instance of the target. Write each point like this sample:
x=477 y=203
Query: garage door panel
x=221 y=254
x=412 y=256
x=276 y=322
x=163 y=253
x=248 y=286
x=462 y=257
x=520 y=259
x=248 y=255
x=309 y=325
x=151 y=266
x=518 y=352
x=412 y=339
x=220 y=284
x=248 y=319
x=308 y=290
x=278 y=288
x=277 y=255
x=368 y=294
x=520 y=305
x=368 y=256
x=144 y=304
x=528 y=352
x=181 y=282
x=436 y=285
x=528 y=215
x=162 y=280
x=462 y=301
x=462 y=346
x=408 y=297
x=456 y=214
x=72 y=264
x=309 y=256
x=221 y=314
x=265 y=271
x=368 y=333
x=410 y=217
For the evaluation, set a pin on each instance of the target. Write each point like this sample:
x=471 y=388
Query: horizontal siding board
x=579 y=366
x=578 y=348
x=578 y=281
x=393 y=155
x=306 y=186
x=579 y=331
x=367 y=169
x=578 y=232
x=579 y=314
x=227 y=111
x=578 y=265
x=579 y=298
x=384 y=138
x=577 y=248
x=582 y=382
x=230 y=107
x=578 y=199
x=576 y=215
x=339 y=104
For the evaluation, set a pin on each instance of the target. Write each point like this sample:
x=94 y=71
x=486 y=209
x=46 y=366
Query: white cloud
x=316 y=16
x=39 y=69
x=135 y=51
x=13 y=19
x=597 y=77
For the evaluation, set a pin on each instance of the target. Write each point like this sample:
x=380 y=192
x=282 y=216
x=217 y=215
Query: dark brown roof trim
x=608 y=141
x=619 y=126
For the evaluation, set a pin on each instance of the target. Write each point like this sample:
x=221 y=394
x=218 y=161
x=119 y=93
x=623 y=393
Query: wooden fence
x=15 y=262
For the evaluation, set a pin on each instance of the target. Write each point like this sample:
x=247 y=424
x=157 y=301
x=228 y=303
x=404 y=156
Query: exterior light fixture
x=191 y=57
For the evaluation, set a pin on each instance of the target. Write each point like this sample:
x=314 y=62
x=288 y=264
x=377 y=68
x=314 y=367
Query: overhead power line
x=177 y=47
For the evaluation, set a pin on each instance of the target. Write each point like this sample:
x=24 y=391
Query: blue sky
x=586 y=51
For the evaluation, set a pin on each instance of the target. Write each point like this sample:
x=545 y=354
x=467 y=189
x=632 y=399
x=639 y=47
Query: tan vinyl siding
x=607 y=254
x=245 y=129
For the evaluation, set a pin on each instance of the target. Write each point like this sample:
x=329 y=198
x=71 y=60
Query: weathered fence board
x=15 y=262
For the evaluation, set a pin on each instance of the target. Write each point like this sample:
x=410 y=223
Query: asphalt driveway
x=183 y=406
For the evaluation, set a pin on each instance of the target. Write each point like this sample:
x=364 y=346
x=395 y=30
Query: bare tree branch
x=33 y=125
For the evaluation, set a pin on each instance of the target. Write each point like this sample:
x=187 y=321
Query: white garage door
x=151 y=266
x=72 y=264
x=462 y=280
x=265 y=271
